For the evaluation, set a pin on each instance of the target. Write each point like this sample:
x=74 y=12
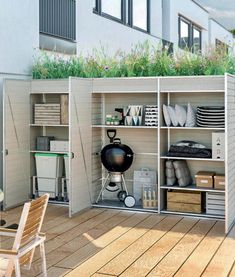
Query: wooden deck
x=108 y=243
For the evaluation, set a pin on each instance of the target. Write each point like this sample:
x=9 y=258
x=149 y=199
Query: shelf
x=194 y=91
x=192 y=159
x=192 y=188
x=48 y=125
x=204 y=215
x=50 y=152
x=115 y=204
x=48 y=92
x=191 y=128
x=124 y=92
x=124 y=127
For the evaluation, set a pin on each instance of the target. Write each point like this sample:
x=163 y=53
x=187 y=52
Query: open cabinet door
x=230 y=152
x=80 y=144
x=16 y=142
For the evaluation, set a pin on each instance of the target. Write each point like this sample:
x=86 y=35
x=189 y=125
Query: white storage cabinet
x=20 y=132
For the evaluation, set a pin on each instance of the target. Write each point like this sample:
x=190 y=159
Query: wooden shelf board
x=190 y=128
x=192 y=188
x=48 y=125
x=124 y=92
x=115 y=204
x=124 y=127
x=192 y=159
x=50 y=152
x=47 y=92
x=204 y=215
x=194 y=91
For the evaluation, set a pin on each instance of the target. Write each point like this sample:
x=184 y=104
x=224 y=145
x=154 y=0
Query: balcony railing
x=58 y=18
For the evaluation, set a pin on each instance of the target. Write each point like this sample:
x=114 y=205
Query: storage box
x=205 y=179
x=43 y=143
x=49 y=168
x=59 y=145
x=47 y=114
x=215 y=203
x=219 y=182
x=184 y=201
x=218 y=145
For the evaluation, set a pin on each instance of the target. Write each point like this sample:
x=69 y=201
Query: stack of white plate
x=210 y=116
x=151 y=115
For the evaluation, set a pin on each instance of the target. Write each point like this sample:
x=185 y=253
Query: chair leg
x=17 y=268
x=43 y=256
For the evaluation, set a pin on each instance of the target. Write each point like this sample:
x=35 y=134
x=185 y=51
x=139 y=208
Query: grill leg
x=103 y=188
x=124 y=183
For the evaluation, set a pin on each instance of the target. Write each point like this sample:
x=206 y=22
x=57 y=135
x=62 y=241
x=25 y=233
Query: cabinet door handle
x=72 y=155
x=6 y=152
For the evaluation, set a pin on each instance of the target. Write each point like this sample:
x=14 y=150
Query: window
x=184 y=34
x=113 y=9
x=196 y=39
x=139 y=14
x=189 y=35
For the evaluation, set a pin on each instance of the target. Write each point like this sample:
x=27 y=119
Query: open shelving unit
x=198 y=91
x=89 y=102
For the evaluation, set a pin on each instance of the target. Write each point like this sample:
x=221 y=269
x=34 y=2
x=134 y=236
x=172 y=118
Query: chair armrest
x=8 y=254
x=7 y=232
x=42 y=234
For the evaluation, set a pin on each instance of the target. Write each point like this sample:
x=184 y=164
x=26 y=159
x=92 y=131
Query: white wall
x=217 y=31
x=94 y=31
x=190 y=10
x=19 y=34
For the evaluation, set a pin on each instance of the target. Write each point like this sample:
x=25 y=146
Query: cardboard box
x=218 y=145
x=205 y=179
x=184 y=201
x=59 y=145
x=219 y=182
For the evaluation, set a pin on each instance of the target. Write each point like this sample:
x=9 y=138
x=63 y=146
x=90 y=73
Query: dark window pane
x=112 y=7
x=196 y=40
x=184 y=34
x=140 y=14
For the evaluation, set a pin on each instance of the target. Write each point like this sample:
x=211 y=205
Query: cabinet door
x=16 y=142
x=230 y=152
x=80 y=144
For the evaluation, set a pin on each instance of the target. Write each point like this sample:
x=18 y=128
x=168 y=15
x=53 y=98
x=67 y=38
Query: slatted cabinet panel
x=80 y=142
x=230 y=150
x=16 y=142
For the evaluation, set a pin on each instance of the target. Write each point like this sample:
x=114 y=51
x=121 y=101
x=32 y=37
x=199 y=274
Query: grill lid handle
x=111 y=133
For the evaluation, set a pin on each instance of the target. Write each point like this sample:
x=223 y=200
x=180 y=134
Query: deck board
x=102 y=243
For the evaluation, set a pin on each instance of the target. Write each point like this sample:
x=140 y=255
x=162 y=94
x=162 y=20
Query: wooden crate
x=47 y=114
x=184 y=207
x=64 y=103
x=184 y=201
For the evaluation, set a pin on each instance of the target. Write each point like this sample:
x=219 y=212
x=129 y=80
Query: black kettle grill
x=116 y=158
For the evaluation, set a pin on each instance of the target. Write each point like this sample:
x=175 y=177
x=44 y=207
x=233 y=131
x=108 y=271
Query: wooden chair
x=27 y=238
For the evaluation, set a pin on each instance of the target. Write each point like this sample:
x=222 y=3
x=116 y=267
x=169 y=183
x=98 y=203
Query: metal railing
x=58 y=18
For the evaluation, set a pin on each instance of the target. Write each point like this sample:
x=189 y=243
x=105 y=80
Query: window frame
x=130 y=17
x=98 y=10
x=192 y=26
